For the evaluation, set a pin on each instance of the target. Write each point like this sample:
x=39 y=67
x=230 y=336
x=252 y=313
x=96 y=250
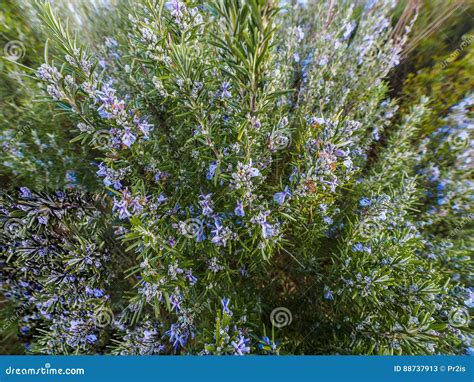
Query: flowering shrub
x=259 y=191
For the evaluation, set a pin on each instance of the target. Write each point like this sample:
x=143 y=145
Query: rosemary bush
x=257 y=190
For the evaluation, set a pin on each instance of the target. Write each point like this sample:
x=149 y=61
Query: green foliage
x=445 y=83
x=254 y=188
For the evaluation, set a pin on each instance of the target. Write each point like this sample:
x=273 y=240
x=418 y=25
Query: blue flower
x=91 y=338
x=175 y=300
x=279 y=197
x=225 y=306
x=441 y=185
x=71 y=176
x=211 y=170
x=365 y=202
x=328 y=220
x=190 y=277
x=267 y=230
x=239 y=210
x=328 y=294
x=178 y=336
x=102 y=113
x=240 y=346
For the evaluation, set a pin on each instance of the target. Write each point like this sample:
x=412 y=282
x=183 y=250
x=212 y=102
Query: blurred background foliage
x=438 y=61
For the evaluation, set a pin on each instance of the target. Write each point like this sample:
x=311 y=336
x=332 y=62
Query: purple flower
x=143 y=126
x=136 y=204
x=268 y=230
x=206 y=204
x=25 y=192
x=175 y=300
x=176 y=9
x=240 y=346
x=102 y=170
x=225 y=93
x=469 y=302
x=279 y=197
x=348 y=28
x=121 y=206
x=102 y=113
x=190 y=277
x=128 y=138
x=43 y=220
